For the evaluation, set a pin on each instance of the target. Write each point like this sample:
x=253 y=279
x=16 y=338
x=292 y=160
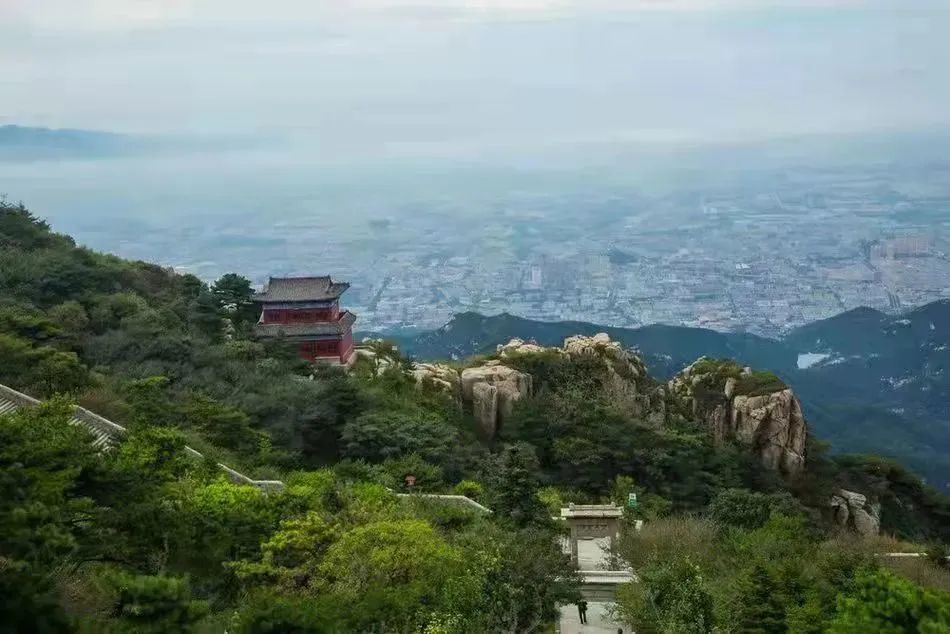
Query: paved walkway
x=592 y=556
x=597 y=620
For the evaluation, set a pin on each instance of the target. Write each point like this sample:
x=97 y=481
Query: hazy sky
x=465 y=75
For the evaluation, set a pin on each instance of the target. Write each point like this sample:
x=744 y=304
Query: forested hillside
x=144 y=539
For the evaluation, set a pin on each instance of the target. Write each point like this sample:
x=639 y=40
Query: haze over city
x=757 y=158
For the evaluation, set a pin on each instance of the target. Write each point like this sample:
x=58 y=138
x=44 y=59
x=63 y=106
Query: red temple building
x=305 y=311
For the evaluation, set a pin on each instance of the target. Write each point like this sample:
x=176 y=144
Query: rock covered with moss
x=438 y=375
x=754 y=408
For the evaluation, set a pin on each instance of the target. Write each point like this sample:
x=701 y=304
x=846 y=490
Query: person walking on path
x=582 y=611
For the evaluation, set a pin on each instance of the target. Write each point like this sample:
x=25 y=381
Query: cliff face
x=756 y=409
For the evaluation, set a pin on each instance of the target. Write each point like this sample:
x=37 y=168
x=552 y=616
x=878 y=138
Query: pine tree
x=518 y=480
x=760 y=608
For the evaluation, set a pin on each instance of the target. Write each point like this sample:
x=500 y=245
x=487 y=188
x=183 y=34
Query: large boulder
x=493 y=389
x=852 y=511
x=735 y=403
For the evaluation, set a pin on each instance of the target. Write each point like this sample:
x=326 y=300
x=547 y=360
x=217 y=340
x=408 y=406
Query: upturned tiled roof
x=338 y=327
x=301 y=289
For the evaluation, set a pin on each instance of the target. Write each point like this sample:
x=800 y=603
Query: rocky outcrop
x=493 y=389
x=774 y=425
x=438 y=375
x=625 y=378
x=716 y=393
x=852 y=511
x=769 y=419
x=377 y=354
x=520 y=346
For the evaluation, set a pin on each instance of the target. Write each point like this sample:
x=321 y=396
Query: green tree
x=19 y=361
x=47 y=469
x=290 y=558
x=760 y=610
x=205 y=315
x=672 y=596
x=21 y=229
x=224 y=425
x=882 y=602
x=30 y=603
x=71 y=316
x=526 y=578
x=517 y=481
x=742 y=508
x=112 y=309
x=150 y=402
x=386 y=570
x=234 y=295
x=275 y=613
x=378 y=435
x=156 y=604
x=59 y=372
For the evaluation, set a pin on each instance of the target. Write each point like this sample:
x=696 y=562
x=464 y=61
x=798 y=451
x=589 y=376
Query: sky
x=460 y=77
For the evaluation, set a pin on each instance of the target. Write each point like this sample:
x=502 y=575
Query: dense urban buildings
x=757 y=250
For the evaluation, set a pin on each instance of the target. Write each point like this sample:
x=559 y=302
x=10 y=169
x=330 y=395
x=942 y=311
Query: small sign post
x=632 y=501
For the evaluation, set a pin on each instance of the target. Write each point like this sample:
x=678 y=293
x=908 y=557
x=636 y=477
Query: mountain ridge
x=880 y=386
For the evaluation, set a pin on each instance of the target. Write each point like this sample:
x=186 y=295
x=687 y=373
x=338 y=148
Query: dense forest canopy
x=143 y=538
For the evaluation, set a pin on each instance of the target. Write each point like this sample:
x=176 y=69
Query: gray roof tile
x=301 y=289
x=308 y=330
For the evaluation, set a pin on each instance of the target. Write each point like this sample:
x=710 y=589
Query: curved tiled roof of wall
x=106 y=434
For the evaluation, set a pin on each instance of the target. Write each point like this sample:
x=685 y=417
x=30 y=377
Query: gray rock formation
x=493 y=389
x=520 y=346
x=852 y=511
x=774 y=425
x=771 y=424
x=619 y=360
x=438 y=375
x=626 y=381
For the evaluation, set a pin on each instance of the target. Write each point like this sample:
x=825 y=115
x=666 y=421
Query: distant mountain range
x=869 y=382
x=23 y=143
x=28 y=143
